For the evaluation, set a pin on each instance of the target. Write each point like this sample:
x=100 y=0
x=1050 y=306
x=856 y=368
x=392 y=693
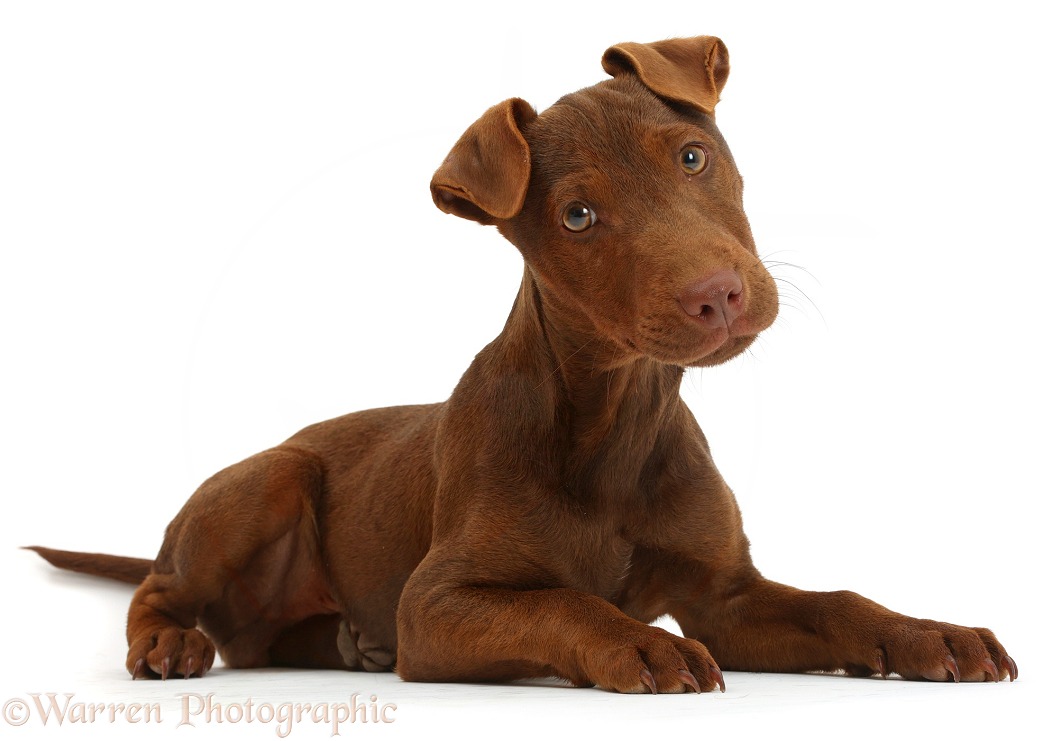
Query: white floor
x=755 y=705
x=758 y=705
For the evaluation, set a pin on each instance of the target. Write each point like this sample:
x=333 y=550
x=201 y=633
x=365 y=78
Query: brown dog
x=564 y=496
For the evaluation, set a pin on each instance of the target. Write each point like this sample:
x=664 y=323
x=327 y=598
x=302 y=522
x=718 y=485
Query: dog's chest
x=603 y=571
x=597 y=557
x=600 y=527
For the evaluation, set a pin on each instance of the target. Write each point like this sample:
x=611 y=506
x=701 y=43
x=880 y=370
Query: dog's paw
x=653 y=660
x=940 y=652
x=360 y=652
x=170 y=652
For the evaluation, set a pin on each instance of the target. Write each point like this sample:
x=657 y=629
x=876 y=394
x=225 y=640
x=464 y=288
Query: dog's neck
x=607 y=406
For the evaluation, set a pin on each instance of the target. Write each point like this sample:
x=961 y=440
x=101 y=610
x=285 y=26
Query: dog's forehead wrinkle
x=608 y=117
x=576 y=147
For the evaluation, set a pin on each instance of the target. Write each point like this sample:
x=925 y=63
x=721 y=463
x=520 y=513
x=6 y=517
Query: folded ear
x=690 y=71
x=485 y=175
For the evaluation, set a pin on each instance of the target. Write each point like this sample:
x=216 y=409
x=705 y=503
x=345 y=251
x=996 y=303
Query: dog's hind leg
x=242 y=561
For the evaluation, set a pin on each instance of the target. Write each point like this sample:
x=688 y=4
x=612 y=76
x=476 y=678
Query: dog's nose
x=717 y=298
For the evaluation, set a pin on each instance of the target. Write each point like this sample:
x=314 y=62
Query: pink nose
x=717 y=298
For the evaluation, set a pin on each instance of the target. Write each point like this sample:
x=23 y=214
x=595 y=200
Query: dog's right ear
x=486 y=174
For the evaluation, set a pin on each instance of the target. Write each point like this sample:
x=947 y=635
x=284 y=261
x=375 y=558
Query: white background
x=215 y=228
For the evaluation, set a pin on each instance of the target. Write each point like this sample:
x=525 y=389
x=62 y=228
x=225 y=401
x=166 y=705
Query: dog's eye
x=694 y=159
x=578 y=217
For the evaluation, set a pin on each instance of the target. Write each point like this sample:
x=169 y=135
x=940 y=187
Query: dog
x=564 y=497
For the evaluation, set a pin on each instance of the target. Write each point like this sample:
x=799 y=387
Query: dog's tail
x=122 y=568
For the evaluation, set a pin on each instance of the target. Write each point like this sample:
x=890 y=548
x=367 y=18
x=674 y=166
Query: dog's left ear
x=485 y=176
x=689 y=71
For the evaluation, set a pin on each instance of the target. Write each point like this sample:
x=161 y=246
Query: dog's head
x=626 y=203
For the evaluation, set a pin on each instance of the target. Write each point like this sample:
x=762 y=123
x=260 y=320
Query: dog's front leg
x=697 y=567
x=451 y=632
x=758 y=625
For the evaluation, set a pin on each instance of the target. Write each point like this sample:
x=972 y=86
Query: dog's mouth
x=711 y=348
x=730 y=348
x=692 y=342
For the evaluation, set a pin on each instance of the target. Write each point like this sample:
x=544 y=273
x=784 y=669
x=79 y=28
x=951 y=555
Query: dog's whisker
x=804 y=295
x=778 y=263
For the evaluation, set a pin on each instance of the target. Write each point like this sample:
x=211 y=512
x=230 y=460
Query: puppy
x=564 y=497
